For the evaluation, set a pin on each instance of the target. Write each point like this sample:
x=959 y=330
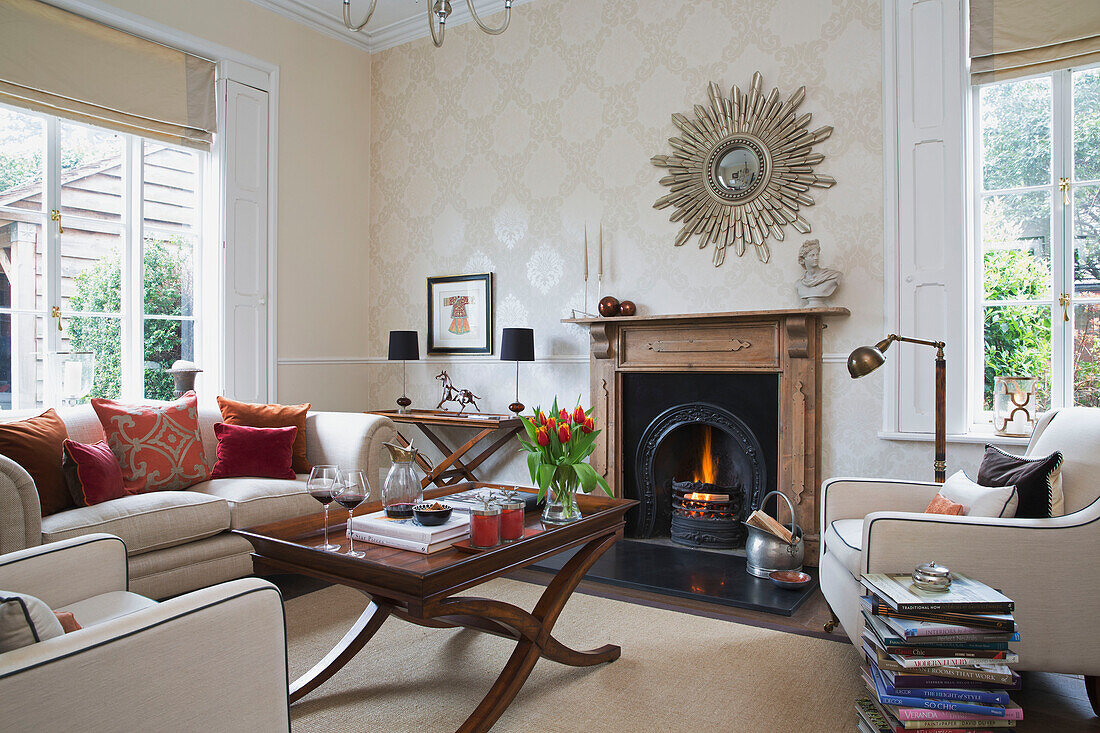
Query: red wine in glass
x=353 y=491
x=350 y=501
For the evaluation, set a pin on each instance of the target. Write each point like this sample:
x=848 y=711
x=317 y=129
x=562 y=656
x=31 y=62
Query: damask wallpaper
x=494 y=153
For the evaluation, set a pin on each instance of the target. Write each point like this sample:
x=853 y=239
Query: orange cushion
x=35 y=444
x=942 y=505
x=158 y=446
x=68 y=621
x=271 y=416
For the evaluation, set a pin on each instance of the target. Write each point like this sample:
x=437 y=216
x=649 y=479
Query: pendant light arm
x=491 y=31
x=433 y=15
x=347 y=16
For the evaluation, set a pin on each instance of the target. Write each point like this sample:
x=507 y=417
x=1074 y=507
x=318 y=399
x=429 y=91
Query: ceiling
x=394 y=22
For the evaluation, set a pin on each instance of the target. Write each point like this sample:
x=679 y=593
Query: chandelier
x=438 y=11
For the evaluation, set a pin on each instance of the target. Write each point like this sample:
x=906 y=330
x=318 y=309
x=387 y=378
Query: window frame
x=132 y=231
x=979 y=420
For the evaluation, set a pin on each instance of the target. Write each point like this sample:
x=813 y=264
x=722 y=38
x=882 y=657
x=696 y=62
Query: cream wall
x=492 y=152
x=324 y=137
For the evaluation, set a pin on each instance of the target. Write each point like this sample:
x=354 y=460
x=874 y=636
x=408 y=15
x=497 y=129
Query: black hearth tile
x=705 y=576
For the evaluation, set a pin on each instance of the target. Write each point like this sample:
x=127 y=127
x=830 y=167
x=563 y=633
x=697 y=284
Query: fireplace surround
x=783 y=346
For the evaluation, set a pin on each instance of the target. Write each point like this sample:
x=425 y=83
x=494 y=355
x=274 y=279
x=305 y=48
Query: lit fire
x=696 y=496
x=706 y=471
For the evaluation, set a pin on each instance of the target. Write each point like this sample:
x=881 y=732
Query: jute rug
x=677 y=672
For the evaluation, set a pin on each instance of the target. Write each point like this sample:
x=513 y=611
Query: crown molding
x=382 y=37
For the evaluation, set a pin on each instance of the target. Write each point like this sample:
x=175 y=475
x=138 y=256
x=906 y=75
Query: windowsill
x=973 y=438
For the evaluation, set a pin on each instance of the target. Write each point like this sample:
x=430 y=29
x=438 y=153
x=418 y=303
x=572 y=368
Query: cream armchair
x=214 y=659
x=1049 y=567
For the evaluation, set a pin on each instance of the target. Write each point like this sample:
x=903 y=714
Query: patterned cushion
x=158 y=446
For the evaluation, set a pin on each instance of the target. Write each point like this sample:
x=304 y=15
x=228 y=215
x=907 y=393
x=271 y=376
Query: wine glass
x=322 y=485
x=352 y=491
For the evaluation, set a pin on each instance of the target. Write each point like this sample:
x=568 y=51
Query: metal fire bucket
x=765 y=553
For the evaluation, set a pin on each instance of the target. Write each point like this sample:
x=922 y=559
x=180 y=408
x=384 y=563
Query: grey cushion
x=257 y=501
x=145 y=522
x=25 y=620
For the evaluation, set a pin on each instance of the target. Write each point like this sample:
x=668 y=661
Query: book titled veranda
x=964 y=595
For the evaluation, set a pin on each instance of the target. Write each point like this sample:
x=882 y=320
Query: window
x=101 y=238
x=1036 y=218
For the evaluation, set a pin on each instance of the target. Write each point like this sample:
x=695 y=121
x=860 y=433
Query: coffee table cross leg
x=355 y=639
x=535 y=629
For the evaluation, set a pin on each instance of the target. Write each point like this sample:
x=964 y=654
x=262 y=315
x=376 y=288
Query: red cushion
x=92 y=473
x=262 y=452
x=940 y=504
x=157 y=446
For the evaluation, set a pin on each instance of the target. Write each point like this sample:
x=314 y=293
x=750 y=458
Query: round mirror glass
x=738 y=169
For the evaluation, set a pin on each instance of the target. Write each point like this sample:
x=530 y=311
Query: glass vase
x=561 y=503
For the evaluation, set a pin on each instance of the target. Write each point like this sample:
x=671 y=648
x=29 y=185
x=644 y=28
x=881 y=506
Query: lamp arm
x=490 y=30
x=923 y=342
x=347 y=16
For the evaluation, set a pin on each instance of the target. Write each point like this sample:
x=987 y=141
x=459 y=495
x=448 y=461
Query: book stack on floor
x=408 y=534
x=937 y=661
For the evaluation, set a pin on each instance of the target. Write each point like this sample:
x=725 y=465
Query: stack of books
x=408 y=534
x=937 y=661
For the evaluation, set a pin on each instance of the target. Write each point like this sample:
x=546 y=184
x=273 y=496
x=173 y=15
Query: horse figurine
x=463 y=397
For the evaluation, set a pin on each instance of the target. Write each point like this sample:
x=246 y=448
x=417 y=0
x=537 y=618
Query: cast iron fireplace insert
x=699 y=452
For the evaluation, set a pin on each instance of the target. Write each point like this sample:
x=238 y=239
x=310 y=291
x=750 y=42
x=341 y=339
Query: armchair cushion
x=106 y=606
x=844 y=538
x=25 y=620
x=145 y=522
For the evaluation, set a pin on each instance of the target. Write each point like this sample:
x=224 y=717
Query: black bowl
x=431 y=517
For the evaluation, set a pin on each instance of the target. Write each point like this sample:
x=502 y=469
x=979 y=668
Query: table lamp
x=404 y=345
x=517 y=344
x=866 y=359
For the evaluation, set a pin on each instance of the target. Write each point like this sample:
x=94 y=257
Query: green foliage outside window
x=99 y=288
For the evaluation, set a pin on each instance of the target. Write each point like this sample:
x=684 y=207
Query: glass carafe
x=402 y=488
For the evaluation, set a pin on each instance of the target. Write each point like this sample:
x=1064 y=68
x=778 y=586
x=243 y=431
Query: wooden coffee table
x=427 y=590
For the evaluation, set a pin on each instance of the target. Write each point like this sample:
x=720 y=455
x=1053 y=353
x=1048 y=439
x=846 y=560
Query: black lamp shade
x=404 y=346
x=517 y=344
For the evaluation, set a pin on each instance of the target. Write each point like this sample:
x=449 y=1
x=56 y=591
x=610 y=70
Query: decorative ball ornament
x=609 y=306
x=740 y=170
x=627 y=308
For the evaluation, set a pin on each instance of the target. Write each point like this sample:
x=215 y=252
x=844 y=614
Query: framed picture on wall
x=460 y=314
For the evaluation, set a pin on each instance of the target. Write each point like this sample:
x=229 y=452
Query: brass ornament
x=740 y=171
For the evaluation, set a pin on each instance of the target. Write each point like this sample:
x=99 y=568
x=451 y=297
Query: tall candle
x=600 y=271
x=586 y=253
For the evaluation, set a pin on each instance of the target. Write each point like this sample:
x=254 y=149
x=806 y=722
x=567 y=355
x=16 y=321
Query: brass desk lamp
x=866 y=359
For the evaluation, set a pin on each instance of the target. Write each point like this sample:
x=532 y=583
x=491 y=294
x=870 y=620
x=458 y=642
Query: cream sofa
x=210 y=660
x=1047 y=566
x=178 y=541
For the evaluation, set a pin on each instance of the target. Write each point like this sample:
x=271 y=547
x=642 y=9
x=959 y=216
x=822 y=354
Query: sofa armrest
x=67 y=571
x=214 y=659
x=349 y=440
x=1047 y=566
x=20 y=510
x=855 y=498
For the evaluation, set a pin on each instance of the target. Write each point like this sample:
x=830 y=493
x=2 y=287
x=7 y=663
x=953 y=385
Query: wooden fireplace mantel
x=786 y=342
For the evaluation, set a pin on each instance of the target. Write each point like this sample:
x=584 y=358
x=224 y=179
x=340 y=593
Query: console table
x=452 y=469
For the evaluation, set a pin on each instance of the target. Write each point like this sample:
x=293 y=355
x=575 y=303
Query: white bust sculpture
x=817 y=282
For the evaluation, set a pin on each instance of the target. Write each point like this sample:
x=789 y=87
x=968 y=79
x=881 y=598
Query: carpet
x=677 y=672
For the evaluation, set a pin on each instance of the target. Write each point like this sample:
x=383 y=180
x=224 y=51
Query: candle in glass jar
x=485 y=527
x=511 y=520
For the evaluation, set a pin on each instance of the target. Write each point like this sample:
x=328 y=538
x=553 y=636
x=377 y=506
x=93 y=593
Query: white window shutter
x=246 y=342
x=929 y=212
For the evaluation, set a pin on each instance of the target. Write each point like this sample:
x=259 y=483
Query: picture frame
x=460 y=314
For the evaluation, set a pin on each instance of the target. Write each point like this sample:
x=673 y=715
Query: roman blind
x=1014 y=38
x=64 y=64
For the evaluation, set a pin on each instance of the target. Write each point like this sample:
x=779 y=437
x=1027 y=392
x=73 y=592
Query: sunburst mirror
x=740 y=171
